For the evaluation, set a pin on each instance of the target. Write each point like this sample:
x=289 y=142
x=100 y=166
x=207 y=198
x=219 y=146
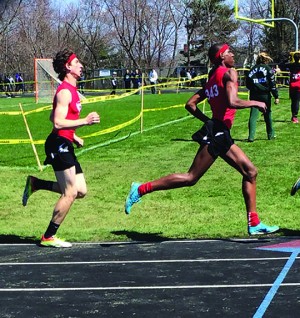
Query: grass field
x=213 y=208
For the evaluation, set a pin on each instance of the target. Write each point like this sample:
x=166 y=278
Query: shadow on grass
x=142 y=237
x=15 y=239
x=289 y=232
x=182 y=139
x=256 y=139
x=283 y=233
x=157 y=237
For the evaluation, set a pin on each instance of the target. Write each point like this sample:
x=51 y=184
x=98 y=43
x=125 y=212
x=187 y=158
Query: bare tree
x=145 y=29
x=86 y=28
x=9 y=11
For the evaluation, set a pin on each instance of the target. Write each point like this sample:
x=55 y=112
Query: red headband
x=218 y=54
x=71 y=58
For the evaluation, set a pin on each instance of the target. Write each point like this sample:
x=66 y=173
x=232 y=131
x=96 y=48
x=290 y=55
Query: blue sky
x=64 y=2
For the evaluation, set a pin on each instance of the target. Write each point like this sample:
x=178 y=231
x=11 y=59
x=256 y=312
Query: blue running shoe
x=295 y=187
x=133 y=197
x=262 y=228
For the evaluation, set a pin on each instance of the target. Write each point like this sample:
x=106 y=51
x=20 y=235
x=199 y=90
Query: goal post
x=260 y=12
x=46 y=81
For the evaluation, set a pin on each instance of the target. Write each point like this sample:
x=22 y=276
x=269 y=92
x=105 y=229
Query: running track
x=213 y=278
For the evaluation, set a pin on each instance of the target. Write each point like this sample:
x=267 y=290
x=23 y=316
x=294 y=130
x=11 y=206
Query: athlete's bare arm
x=59 y=115
x=230 y=82
x=78 y=141
x=191 y=105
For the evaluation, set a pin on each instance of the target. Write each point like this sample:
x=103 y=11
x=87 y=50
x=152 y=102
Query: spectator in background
x=132 y=76
x=2 y=86
x=295 y=98
x=153 y=77
x=294 y=87
x=193 y=75
x=189 y=77
x=114 y=83
x=8 y=86
x=127 y=80
x=81 y=84
x=261 y=82
x=183 y=77
x=278 y=74
x=137 y=80
x=19 y=83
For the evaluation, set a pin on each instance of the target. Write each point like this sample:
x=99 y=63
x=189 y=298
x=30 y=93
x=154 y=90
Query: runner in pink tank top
x=215 y=140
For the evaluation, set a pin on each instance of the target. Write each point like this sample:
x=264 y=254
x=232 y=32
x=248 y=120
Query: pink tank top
x=217 y=97
x=74 y=109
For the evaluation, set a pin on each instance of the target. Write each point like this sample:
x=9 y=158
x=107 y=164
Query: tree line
x=120 y=34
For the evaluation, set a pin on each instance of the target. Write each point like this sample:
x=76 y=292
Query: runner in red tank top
x=294 y=87
x=59 y=147
x=295 y=99
x=221 y=90
x=73 y=112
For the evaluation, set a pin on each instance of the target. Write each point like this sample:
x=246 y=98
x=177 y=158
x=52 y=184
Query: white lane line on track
x=211 y=260
x=46 y=289
x=117 y=243
x=234 y=240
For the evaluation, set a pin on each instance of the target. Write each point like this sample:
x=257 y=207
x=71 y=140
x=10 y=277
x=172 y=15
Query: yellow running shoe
x=54 y=241
x=28 y=190
x=295 y=187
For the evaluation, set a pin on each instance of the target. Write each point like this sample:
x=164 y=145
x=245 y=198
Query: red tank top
x=295 y=78
x=217 y=97
x=74 y=109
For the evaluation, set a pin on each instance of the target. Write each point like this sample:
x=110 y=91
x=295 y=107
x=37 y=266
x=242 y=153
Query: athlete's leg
x=202 y=161
x=238 y=160
x=297 y=100
x=67 y=181
x=254 y=112
x=269 y=124
x=268 y=119
x=81 y=186
x=294 y=105
x=34 y=184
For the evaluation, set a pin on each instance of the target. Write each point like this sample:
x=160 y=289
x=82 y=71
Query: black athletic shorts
x=60 y=154
x=216 y=135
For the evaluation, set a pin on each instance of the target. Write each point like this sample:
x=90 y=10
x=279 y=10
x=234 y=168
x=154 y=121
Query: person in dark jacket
x=127 y=81
x=262 y=85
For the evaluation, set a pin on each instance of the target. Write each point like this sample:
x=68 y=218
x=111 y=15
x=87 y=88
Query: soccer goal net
x=46 y=81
